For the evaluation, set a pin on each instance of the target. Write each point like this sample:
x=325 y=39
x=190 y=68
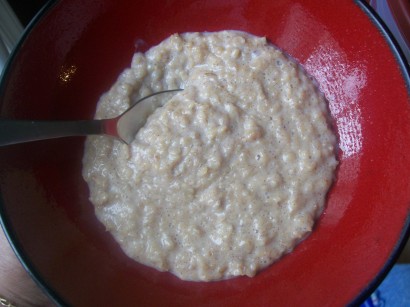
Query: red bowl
x=74 y=52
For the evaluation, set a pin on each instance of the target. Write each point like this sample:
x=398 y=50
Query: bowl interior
x=75 y=52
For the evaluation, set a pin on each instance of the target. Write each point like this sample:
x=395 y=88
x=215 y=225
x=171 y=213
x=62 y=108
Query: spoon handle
x=21 y=131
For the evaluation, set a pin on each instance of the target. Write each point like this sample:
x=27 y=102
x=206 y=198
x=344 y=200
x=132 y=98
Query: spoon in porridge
x=123 y=127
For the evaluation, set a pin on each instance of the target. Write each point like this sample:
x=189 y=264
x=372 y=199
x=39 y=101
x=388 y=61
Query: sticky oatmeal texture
x=230 y=174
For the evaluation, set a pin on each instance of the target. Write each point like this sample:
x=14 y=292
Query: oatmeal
x=230 y=174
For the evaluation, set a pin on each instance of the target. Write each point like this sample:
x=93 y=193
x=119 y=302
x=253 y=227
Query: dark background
x=26 y=9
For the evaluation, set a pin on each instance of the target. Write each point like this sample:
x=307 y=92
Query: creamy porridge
x=230 y=174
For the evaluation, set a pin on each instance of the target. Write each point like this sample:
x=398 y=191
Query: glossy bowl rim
x=405 y=71
x=365 y=292
x=4 y=223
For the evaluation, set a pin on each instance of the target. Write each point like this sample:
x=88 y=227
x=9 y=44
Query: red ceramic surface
x=75 y=52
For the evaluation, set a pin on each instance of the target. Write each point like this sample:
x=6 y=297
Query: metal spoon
x=123 y=127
